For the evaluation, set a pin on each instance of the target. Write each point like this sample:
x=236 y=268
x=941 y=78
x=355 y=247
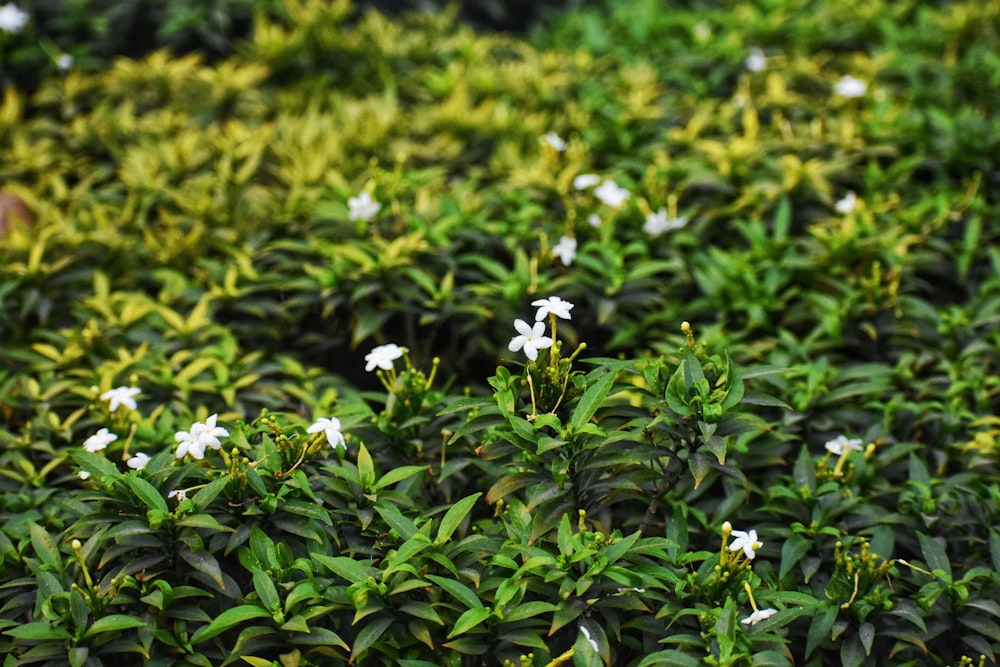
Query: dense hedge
x=774 y=398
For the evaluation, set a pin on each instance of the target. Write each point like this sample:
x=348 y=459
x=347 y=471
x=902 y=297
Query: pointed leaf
x=454 y=517
x=468 y=620
x=592 y=399
x=228 y=619
x=112 y=623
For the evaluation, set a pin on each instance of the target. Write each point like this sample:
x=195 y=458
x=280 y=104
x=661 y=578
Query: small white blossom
x=612 y=195
x=383 y=356
x=531 y=339
x=65 y=62
x=755 y=62
x=747 y=542
x=584 y=181
x=840 y=444
x=555 y=141
x=558 y=307
x=84 y=475
x=199 y=438
x=658 y=223
x=178 y=494
x=848 y=86
x=565 y=250
x=594 y=220
x=12 y=19
x=759 y=615
x=847 y=204
x=702 y=32
x=593 y=643
x=121 y=396
x=363 y=207
x=99 y=440
x=138 y=462
x=330 y=426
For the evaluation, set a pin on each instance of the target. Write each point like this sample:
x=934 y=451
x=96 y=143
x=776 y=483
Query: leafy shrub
x=229 y=237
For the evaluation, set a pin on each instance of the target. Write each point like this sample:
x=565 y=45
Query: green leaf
x=819 y=629
x=458 y=590
x=366 y=468
x=37 y=630
x=866 y=633
x=528 y=610
x=700 y=465
x=228 y=619
x=205 y=563
x=395 y=518
x=468 y=620
x=369 y=635
x=113 y=623
x=204 y=521
x=792 y=551
x=204 y=497
x=592 y=399
x=508 y=484
x=266 y=589
x=669 y=658
x=45 y=547
x=454 y=517
x=935 y=556
x=346 y=568
x=397 y=475
x=147 y=493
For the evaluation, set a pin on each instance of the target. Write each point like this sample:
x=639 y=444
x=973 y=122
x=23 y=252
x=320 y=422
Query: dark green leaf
x=454 y=517
x=228 y=619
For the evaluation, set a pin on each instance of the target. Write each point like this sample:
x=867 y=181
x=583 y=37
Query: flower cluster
x=744 y=546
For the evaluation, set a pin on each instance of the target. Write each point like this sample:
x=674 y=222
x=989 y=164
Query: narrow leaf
x=591 y=400
x=113 y=623
x=468 y=620
x=228 y=619
x=454 y=517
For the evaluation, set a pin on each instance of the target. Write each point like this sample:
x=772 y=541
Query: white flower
x=138 y=461
x=12 y=19
x=840 y=444
x=702 y=32
x=755 y=62
x=593 y=643
x=612 y=195
x=179 y=494
x=658 y=223
x=531 y=339
x=558 y=307
x=584 y=181
x=65 y=62
x=848 y=86
x=759 y=615
x=746 y=541
x=84 y=475
x=383 y=356
x=330 y=426
x=99 y=440
x=555 y=141
x=121 y=396
x=200 y=437
x=847 y=204
x=594 y=220
x=565 y=250
x=363 y=207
